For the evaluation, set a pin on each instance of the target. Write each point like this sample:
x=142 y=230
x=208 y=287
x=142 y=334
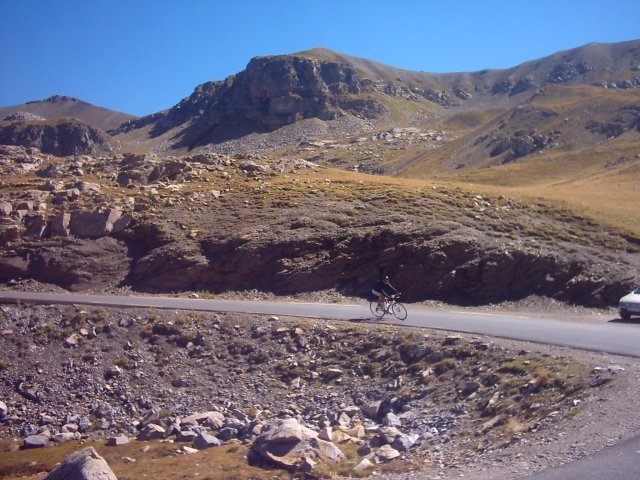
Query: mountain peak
x=57 y=99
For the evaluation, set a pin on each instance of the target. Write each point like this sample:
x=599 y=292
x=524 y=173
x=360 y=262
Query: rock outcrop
x=58 y=137
x=442 y=261
x=74 y=264
x=270 y=93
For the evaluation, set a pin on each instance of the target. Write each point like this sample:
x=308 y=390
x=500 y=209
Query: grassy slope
x=589 y=174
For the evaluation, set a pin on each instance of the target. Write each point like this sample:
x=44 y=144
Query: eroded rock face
x=442 y=261
x=84 y=464
x=94 y=224
x=74 y=264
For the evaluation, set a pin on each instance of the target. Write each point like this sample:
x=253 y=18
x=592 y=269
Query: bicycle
x=389 y=307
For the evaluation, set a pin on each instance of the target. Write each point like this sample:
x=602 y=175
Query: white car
x=630 y=304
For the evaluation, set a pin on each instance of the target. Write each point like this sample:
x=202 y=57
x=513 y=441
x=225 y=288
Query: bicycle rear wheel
x=377 y=309
x=399 y=311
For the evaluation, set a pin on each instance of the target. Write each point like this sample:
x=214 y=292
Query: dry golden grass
x=152 y=460
x=580 y=181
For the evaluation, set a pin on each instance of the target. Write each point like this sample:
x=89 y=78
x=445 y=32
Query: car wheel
x=625 y=315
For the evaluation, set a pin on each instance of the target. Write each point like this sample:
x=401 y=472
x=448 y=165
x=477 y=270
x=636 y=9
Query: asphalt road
x=621 y=462
x=618 y=338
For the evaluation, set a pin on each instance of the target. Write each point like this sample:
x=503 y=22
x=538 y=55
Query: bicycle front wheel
x=399 y=311
x=377 y=309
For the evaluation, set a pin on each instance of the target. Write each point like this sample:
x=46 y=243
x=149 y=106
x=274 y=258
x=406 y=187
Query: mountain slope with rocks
x=510 y=185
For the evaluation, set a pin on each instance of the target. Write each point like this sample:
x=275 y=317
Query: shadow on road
x=630 y=321
x=365 y=320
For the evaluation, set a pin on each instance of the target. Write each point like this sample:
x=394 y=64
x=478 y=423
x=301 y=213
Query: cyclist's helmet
x=385 y=278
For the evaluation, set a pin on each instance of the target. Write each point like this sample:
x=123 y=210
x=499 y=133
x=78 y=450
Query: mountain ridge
x=62 y=106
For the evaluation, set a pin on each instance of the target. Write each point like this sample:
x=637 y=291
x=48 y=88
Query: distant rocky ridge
x=282 y=90
x=62 y=106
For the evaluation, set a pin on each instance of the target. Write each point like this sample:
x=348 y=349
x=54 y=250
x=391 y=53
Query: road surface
x=602 y=336
x=621 y=462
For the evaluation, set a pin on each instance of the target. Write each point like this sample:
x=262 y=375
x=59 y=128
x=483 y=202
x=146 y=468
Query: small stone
x=364 y=464
x=326 y=433
x=65 y=437
x=188 y=450
x=115 y=441
x=391 y=420
x=451 y=340
x=151 y=432
x=186 y=436
x=405 y=442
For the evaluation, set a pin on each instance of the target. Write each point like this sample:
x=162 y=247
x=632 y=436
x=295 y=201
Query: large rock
x=84 y=464
x=94 y=224
x=35 y=441
x=203 y=441
x=289 y=444
x=152 y=432
x=212 y=419
x=9 y=231
x=59 y=225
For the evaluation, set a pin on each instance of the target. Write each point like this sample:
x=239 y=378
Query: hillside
x=173 y=394
x=508 y=183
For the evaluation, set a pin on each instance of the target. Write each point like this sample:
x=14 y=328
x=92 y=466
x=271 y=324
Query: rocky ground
x=451 y=404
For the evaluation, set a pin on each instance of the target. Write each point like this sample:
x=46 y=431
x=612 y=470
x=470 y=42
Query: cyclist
x=384 y=290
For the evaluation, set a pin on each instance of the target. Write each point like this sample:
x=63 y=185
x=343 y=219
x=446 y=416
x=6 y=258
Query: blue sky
x=141 y=56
